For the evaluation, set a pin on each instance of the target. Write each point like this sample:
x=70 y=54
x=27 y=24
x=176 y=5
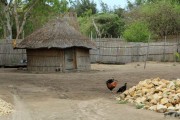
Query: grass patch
x=122 y=102
x=139 y=106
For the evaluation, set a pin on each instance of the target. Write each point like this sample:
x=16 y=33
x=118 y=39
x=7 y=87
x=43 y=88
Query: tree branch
x=16 y=16
x=97 y=30
x=25 y=17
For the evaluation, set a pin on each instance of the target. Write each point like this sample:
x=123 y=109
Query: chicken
x=111 y=84
x=122 y=89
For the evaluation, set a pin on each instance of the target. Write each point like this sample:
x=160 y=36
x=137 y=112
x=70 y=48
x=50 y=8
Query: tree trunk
x=16 y=16
x=97 y=30
x=4 y=31
x=8 y=26
x=11 y=12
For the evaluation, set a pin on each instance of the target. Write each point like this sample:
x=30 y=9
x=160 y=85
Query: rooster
x=111 y=84
x=122 y=89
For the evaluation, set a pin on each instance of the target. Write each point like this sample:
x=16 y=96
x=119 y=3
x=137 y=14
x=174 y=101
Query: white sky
x=111 y=3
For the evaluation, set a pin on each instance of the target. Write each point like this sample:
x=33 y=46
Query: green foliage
x=39 y=15
x=177 y=56
x=42 y=12
x=119 y=11
x=1 y=22
x=139 y=106
x=1 y=32
x=122 y=102
x=82 y=6
x=110 y=25
x=137 y=32
x=59 y=6
x=86 y=26
x=142 y=2
x=104 y=7
x=162 y=17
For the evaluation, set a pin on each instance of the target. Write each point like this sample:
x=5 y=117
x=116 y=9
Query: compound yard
x=79 y=95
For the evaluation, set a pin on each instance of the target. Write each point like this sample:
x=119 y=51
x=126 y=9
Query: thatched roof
x=56 y=34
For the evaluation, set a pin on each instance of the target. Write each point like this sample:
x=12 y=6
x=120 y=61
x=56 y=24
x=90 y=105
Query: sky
x=112 y=3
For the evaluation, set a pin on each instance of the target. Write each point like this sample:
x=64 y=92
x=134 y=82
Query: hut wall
x=83 y=59
x=45 y=60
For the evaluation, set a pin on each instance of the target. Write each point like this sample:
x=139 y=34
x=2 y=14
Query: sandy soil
x=79 y=95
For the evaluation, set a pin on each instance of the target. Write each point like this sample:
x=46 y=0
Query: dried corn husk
x=5 y=108
x=156 y=94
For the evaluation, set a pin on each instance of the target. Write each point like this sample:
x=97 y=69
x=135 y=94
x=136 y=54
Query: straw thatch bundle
x=57 y=33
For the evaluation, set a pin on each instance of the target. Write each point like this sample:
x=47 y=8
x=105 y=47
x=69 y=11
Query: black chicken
x=111 y=84
x=122 y=89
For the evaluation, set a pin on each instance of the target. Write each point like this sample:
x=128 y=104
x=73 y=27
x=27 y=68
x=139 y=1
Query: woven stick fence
x=11 y=57
x=115 y=51
x=111 y=51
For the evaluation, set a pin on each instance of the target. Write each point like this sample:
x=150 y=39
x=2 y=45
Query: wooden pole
x=117 y=49
x=147 y=53
x=91 y=35
x=99 y=48
x=164 y=51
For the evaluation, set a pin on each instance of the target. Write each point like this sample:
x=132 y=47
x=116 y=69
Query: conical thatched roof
x=56 y=34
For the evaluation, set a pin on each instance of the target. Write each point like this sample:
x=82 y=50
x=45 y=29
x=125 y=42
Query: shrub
x=137 y=32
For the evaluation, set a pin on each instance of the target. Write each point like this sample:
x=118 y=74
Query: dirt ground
x=79 y=95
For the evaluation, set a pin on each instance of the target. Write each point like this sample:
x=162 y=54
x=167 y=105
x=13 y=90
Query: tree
x=42 y=12
x=6 y=13
x=136 y=32
x=2 y=24
x=106 y=25
x=110 y=25
x=104 y=7
x=82 y=6
x=20 y=7
x=119 y=11
x=27 y=15
x=57 y=6
x=39 y=15
x=86 y=26
x=11 y=10
x=137 y=3
x=162 y=16
x=130 y=5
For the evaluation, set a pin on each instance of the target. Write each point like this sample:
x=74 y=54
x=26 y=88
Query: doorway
x=69 y=59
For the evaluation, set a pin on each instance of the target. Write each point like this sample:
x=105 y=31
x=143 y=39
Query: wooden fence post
x=117 y=49
x=164 y=51
x=147 y=53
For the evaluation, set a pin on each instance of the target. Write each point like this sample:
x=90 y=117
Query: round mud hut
x=57 y=46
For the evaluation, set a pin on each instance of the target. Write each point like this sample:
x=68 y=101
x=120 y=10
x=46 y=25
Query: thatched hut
x=57 y=46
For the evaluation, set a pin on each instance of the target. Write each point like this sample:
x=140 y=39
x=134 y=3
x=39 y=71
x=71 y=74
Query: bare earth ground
x=79 y=95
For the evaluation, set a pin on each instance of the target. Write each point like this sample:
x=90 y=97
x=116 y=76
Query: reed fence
x=116 y=51
x=10 y=56
x=110 y=51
